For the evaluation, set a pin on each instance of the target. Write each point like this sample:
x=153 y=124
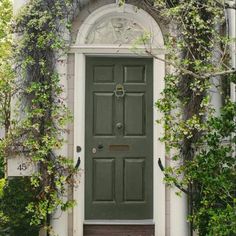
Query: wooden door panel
x=103 y=113
x=103 y=73
x=134 y=182
x=119 y=133
x=134 y=74
x=103 y=179
x=134 y=114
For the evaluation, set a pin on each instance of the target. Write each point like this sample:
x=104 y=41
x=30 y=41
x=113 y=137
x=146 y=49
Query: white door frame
x=81 y=50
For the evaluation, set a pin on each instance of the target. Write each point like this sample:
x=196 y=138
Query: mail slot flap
x=119 y=147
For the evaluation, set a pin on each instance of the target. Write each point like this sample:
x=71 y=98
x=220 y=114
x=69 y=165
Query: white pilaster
x=178 y=214
x=59 y=220
x=79 y=134
x=232 y=34
x=159 y=211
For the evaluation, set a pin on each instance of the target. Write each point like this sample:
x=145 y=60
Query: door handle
x=119 y=125
x=99 y=148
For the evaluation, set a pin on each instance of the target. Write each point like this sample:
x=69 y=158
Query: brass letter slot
x=118 y=148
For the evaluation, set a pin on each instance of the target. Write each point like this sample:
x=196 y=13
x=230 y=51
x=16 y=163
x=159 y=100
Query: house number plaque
x=20 y=166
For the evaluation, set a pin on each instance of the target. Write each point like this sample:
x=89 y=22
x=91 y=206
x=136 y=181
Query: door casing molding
x=81 y=51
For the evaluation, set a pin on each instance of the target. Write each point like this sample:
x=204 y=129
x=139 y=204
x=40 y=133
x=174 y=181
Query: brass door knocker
x=119 y=91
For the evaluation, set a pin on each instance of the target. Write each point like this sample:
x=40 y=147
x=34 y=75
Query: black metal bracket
x=166 y=175
x=78 y=163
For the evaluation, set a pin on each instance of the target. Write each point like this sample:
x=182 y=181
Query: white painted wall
x=17 y=4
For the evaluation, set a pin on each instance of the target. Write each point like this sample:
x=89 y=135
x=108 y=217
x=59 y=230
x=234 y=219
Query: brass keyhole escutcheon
x=119 y=91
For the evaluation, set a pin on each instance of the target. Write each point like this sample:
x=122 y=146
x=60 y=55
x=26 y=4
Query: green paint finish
x=134 y=114
x=103 y=74
x=119 y=139
x=103 y=105
x=102 y=169
x=134 y=188
x=134 y=74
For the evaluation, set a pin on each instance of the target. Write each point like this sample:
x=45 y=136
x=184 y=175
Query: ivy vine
x=198 y=141
x=40 y=124
x=7 y=87
x=202 y=142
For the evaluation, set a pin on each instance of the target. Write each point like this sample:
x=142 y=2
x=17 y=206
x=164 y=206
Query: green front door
x=119 y=138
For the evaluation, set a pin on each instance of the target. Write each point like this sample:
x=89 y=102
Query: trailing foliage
x=14 y=193
x=200 y=143
x=6 y=72
x=212 y=171
x=39 y=125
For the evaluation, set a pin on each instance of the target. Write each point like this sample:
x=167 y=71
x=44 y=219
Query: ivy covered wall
x=203 y=143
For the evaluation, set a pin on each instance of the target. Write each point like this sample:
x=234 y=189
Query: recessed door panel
x=134 y=74
x=134 y=183
x=103 y=113
x=134 y=109
x=103 y=179
x=103 y=74
x=119 y=138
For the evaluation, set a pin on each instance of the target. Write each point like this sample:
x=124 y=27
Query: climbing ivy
x=40 y=118
x=199 y=143
x=202 y=143
x=6 y=73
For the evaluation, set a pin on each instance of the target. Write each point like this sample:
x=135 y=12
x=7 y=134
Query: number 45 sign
x=20 y=166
